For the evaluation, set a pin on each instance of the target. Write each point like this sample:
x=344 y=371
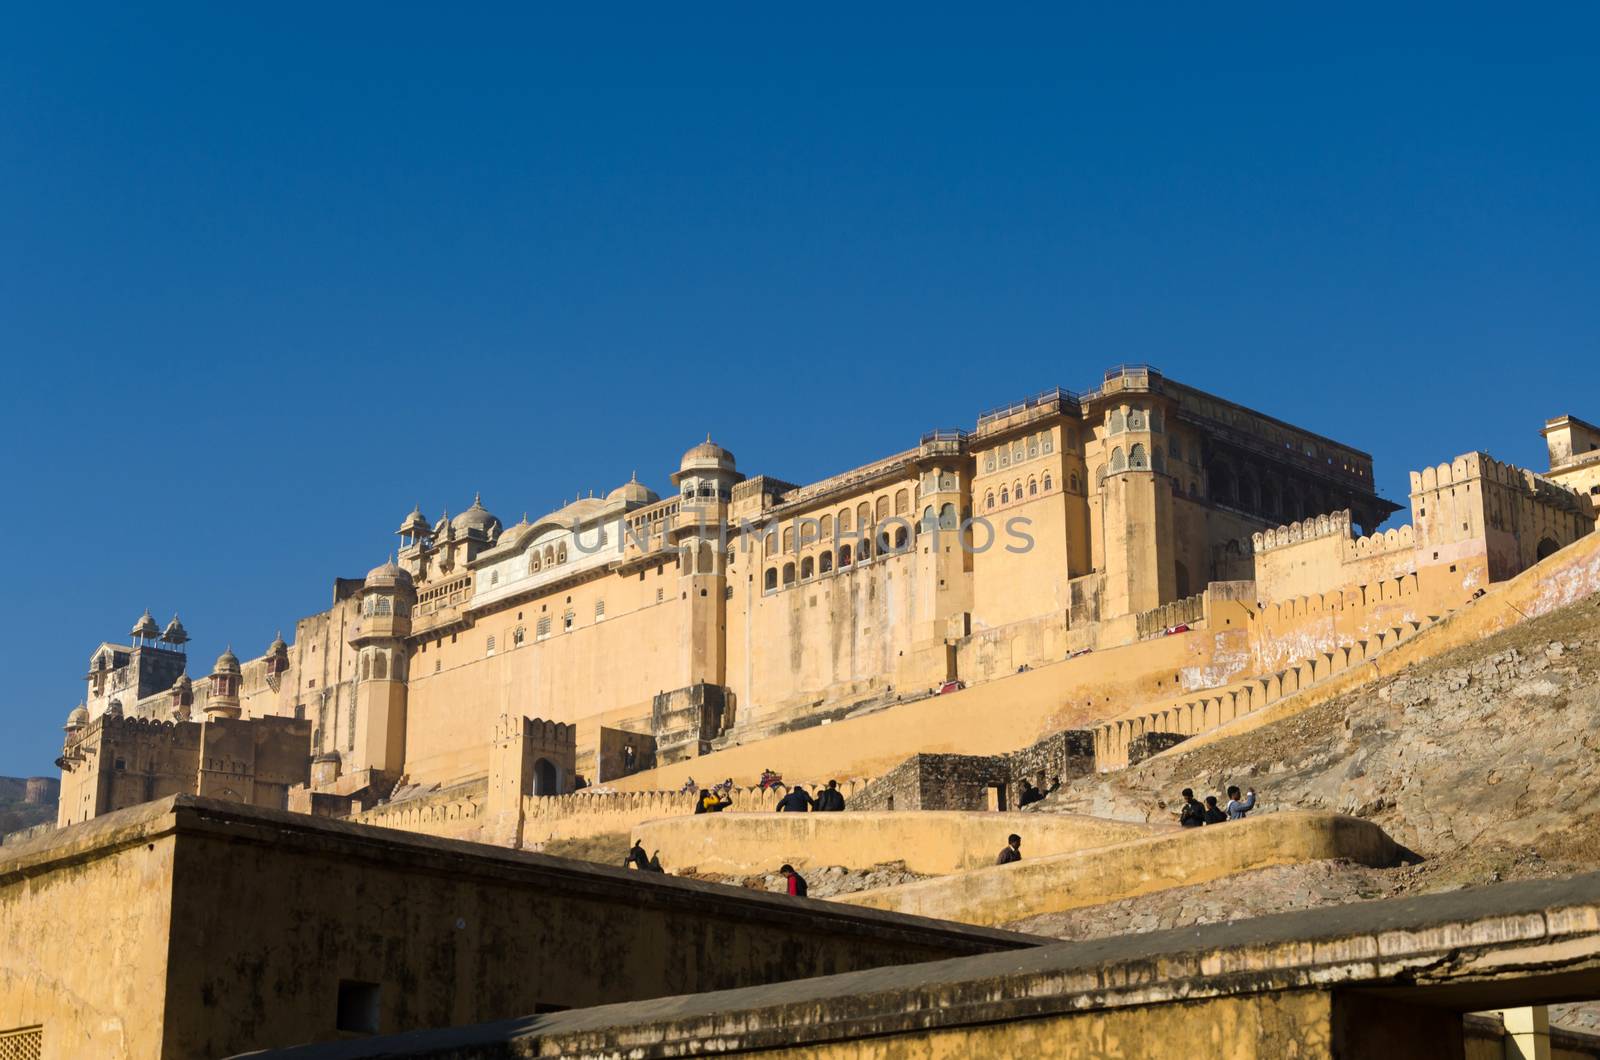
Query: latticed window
x=543 y=629
x=599 y=609
x=23 y=1043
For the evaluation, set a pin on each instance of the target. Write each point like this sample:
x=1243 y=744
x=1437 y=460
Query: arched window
x=788 y=574
x=788 y=539
x=883 y=509
x=1033 y=487
x=947 y=517
x=769 y=543
x=902 y=502
x=844 y=519
x=1138 y=459
x=844 y=556
x=825 y=563
x=827 y=527
x=883 y=543
x=549 y=555
x=929 y=520
x=863 y=515
x=1005 y=495
x=866 y=549
x=988 y=462
x=988 y=499
x=1136 y=420
x=1119 y=462
x=901 y=539
x=1119 y=422
x=533 y=562
x=1005 y=456
x=1048 y=442
x=770 y=581
x=1099 y=476
x=380 y=667
x=1016 y=489
x=384 y=607
x=703 y=561
x=561 y=553
x=807 y=569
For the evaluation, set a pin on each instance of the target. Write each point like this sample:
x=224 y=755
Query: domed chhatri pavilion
x=625 y=630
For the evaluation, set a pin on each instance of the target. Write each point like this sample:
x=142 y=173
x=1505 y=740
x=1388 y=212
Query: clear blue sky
x=269 y=275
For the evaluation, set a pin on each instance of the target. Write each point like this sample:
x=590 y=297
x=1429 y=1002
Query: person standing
x=1012 y=851
x=1236 y=808
x=797 y=801
x=1213 y=814
x=829 y=800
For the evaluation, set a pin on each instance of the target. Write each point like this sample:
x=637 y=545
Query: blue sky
x=271 y=275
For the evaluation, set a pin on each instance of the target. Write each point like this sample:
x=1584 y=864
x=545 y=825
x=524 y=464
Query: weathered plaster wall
x=84 y=917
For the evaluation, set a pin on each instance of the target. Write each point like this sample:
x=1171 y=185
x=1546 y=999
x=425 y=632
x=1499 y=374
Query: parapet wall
x=450 y=813
x=1008 y=893
x=591 y=812
x=932 y=843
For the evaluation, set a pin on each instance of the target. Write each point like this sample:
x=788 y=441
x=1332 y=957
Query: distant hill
x=17 y=812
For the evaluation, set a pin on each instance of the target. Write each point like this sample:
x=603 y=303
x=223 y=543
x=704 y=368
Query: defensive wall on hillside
x=1003 y=894
x=931 y=843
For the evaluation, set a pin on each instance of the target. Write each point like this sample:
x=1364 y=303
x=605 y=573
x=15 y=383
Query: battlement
x=1332 y=524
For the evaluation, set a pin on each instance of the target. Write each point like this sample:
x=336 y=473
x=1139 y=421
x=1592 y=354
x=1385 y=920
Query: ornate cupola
x=175 y=635
x=145 y=630
x=223 y=702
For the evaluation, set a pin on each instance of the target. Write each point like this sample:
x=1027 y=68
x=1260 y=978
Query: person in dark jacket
x=797 y=801
x=1191 y=814
x=1030 y=795
x=1213 y=813
x=1012 y=851
x=797 y=883
x=829 y=800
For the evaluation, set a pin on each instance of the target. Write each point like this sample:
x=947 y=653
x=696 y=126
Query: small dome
x=415 y=523
x=77 y=718
x=476 y=518
x=514 y=533
x=183 y=684
x=227 y=662
x=388 y=576
x=633 y=492
x=175 y=633
x=278 y=647
x=707 y=454
x=145 y=627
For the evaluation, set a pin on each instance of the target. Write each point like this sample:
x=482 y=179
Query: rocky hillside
x=16 y=813
x=1490 y=746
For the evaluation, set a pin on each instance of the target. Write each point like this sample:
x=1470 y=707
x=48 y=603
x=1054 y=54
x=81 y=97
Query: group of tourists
x=1193 y=813
x=828 y=800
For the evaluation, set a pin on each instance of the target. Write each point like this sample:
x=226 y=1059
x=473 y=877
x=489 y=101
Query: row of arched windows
x=1017 y=451
x=810 y=567
x=1014 y=491
x=865 y=515
x=550 y=557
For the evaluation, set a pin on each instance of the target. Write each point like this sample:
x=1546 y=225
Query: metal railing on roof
x=1044 y=397
x=943 y=434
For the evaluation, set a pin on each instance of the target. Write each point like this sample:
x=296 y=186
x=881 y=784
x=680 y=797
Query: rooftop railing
x=1044 y=397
